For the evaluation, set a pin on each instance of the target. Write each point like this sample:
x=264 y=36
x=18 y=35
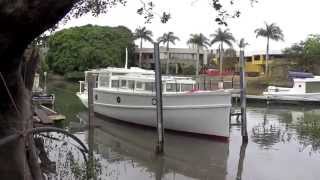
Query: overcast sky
x=296 y=18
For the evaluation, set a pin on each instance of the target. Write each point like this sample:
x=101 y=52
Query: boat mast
x=126 y=64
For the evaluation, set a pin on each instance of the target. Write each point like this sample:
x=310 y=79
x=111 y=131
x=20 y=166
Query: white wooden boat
x=306 y=87
x=129 y=95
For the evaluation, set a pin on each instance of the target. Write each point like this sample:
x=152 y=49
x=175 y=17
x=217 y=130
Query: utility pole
x=158 y=83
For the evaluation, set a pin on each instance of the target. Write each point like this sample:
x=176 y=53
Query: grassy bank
x=66 y=103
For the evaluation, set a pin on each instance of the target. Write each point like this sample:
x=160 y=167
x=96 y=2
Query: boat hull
x=201 y=113
x=310 y=97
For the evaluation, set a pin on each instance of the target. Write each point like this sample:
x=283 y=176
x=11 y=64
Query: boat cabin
x=144 y=83
x=137 y=80
x=300 y=86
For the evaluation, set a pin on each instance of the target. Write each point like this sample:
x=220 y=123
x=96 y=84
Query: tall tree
x=222 y=37
x=200 y=41
x=304 y=56
x=168 y=38
x=270 y=31
x=144 y=35
x=87 y=47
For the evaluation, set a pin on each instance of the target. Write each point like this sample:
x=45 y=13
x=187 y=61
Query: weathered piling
x=158 y=84
x=204 y=83
x=91 y=85
x=45 y=83
x=243 y=102
x=242 y=156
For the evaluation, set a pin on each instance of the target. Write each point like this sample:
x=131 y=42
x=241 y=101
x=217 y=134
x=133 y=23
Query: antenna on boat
x=126 y=65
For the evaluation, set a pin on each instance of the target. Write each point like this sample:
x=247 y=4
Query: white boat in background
x=129 y=95
x=306 y=87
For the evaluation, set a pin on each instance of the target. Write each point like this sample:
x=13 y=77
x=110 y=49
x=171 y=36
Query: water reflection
x=266 y=133
x=284 y=143
x=242 y=156
x=282 y=124
x=185 y=157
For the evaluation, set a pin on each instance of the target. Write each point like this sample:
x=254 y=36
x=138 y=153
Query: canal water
x=284 y=143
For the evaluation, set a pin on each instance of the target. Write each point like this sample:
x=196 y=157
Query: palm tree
x=222 y=37
x=200 y=41
x=168 y=38
x=271 y=31
x=143 y=34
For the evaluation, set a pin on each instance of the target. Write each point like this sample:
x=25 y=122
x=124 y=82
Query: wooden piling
x=204 y=83
x=91 y=84
x=158 y=83
x=243 y=102
x=45 y=83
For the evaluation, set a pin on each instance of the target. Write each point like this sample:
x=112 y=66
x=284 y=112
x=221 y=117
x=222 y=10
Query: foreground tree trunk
x=22 y=21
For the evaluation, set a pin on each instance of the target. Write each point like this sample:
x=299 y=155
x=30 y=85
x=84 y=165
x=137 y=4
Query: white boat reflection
x=189 y=156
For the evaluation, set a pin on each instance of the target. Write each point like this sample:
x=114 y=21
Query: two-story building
x=256 y=61
x=182 y=56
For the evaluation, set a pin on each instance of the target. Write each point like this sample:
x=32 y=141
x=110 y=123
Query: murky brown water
x=284 y=143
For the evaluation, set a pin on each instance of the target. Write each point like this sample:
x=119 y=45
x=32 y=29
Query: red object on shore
x=216 y=72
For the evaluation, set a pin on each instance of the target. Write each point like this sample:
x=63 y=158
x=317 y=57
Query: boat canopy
x=293 y=74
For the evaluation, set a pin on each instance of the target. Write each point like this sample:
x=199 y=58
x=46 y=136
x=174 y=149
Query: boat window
x=115 y=83
x=123 y=83
x=312 y=87
x=138 y=85
x=118 y=74
x=172 y=87
x=149 y=86
x=131 y=84
x=104 y=81
x=186 y=87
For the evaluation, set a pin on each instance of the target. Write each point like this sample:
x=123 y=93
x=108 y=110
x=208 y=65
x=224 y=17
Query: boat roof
x=150 y=78
x=294 y=74
x=136 y=70
x=313 y=79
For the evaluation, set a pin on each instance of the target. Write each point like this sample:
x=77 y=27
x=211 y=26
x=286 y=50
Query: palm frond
x=168 y=38
x=222 y=37
x=143 y=33
x=271 y=31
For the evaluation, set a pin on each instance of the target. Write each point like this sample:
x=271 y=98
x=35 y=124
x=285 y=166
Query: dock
x=44 y=116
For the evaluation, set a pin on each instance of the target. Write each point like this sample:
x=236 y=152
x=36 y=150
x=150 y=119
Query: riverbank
x=66 y=101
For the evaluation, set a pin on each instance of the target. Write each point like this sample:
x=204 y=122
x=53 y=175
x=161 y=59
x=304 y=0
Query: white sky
x=296 y=18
